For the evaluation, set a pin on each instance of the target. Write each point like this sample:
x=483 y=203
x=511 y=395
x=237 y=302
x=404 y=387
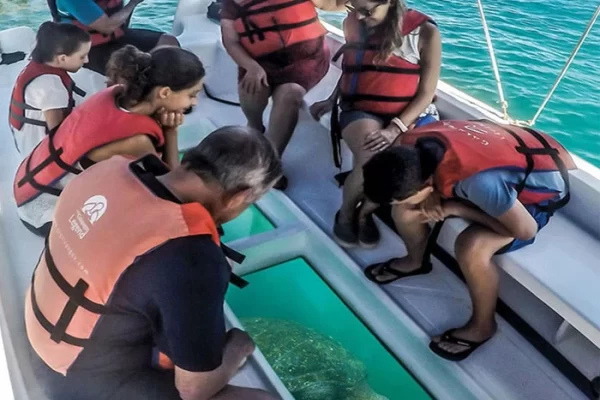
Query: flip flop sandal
x=386 y=267
x=447 y=337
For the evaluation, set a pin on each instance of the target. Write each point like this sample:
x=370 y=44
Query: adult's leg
x=147 y=39
x=287 y=100
x=168 y=40
x=253 y=105
x=237 y=393
x=474 y=250
x=353 y=134
x=414 y=234
x=99 y=56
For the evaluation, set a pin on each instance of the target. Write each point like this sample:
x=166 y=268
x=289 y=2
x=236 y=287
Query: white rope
x=503 y=101
x=567 y=65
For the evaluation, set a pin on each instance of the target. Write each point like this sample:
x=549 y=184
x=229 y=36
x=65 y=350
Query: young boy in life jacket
x=140 y=117
x=390 y=71
x=107 y=21
x=279 y=46
x=43 y=94
x=507 y=180
x=140 y=244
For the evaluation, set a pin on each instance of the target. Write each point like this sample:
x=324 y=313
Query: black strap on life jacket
x=76 y=295
x=53 y=157
x=546 y=150
x=237 y=258
x=251 y=29
x=335 y=131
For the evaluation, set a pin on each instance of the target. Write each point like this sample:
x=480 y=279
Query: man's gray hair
x=237 y=158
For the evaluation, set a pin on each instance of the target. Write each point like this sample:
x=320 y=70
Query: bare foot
x=468 y=332
x=404 y=265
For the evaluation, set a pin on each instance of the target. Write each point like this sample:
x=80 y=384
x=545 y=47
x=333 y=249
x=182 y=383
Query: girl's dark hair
x=391 y=28
x=141 y=72
x=53 y=39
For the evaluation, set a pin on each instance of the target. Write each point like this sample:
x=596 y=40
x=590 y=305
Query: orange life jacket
x=32 y=71
x=108 y=6
x=384 y=87
x=95 y=123
x=84 y=259
x=477 y=146
x=266 y=26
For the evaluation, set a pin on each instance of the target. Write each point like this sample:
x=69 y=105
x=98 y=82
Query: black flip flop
x=447 y=337
x=386 y=267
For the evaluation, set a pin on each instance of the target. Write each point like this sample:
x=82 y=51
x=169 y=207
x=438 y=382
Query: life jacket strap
x=251 y=29
x=53 y=157
x=335 y=131
x=237 y=258
x=76 y=295
x=546 y=150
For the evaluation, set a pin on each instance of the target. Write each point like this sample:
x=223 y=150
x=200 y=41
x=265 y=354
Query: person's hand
x=240 y=344
x=254 y=79
x=453 y=208
x=320 y=108
x=379 y=140
x=432 y=209
x=169 y=119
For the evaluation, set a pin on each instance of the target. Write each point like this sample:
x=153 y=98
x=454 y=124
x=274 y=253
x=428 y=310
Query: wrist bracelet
x=398 y=122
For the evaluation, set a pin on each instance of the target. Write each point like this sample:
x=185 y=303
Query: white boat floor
x=508 y=366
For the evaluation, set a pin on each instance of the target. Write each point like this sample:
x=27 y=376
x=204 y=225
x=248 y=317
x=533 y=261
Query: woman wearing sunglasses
x=280 y=49
x=390 y=70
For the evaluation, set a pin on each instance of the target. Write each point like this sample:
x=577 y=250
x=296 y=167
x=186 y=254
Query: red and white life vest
x=477 y=146
x=108 y=6
x=266 y=26
x=84 y=259
x=95 y=123
x=384 y=87
x=32 y=71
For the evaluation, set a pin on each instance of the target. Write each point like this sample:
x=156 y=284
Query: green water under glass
x=293 y=291
x=250 y=222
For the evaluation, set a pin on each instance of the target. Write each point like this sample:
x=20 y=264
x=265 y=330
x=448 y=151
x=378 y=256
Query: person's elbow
x=105 y=25
x=193 y=393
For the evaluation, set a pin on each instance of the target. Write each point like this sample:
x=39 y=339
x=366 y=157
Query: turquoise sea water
x=532 y=38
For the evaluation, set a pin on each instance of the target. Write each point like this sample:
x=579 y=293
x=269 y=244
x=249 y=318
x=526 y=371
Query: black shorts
x=143 y=39
x=142 y=384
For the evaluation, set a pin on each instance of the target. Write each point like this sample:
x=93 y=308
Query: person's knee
x=168 y=40
x=259 y=98
x=290 y=93
x=472 y=250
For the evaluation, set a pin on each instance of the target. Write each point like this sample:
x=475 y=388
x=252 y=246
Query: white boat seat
x=566 y=279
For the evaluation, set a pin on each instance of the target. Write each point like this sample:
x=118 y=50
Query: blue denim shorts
x=348 y=116
x=541 y=217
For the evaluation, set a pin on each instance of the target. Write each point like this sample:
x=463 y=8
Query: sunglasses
x=362 y=11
